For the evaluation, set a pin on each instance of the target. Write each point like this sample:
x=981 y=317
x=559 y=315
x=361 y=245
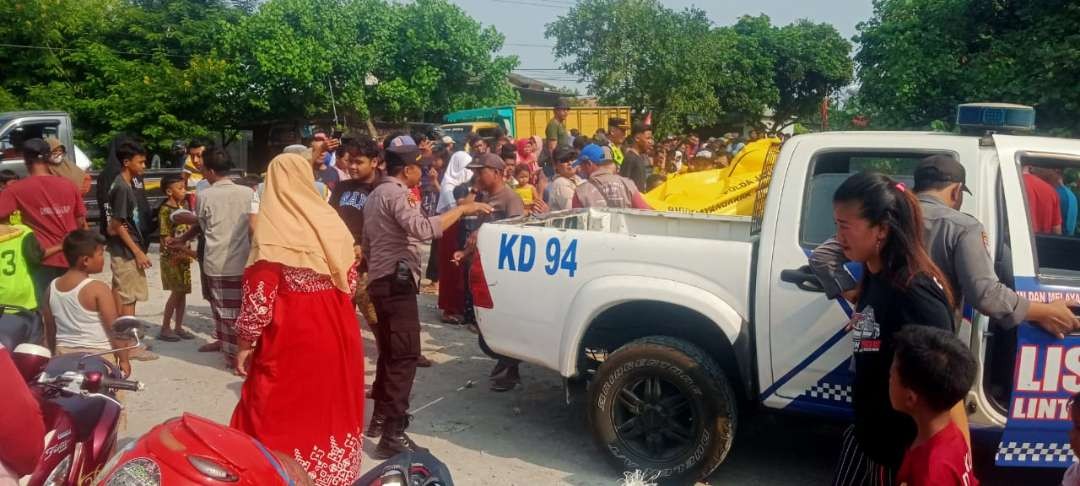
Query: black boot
x=394 y=440
x=375 y=428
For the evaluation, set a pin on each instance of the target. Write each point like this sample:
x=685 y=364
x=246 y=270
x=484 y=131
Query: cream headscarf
x=457 y=173
x=296 y=227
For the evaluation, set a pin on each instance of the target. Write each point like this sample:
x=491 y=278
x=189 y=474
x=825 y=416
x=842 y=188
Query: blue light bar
x=995 y=116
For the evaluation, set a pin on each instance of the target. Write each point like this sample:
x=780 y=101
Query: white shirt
x=76 y=326
x=562 y=193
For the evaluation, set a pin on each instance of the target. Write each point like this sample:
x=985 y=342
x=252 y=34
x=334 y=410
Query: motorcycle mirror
x=126 y=325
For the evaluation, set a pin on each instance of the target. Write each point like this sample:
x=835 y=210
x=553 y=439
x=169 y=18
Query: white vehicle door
x=1044 y=372
x=808 y=349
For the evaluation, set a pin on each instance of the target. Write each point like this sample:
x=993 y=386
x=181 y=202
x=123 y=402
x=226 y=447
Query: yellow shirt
x=526 y=193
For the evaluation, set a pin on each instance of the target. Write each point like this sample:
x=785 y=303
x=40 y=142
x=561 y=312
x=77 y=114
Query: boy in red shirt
x=931 y=372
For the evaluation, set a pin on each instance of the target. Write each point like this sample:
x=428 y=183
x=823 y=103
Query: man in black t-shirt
x=636 y=164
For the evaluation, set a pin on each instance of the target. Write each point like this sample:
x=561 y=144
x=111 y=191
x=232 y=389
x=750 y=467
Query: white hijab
x=456 y=174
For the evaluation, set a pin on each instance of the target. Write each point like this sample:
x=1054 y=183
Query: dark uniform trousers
x=397 y=338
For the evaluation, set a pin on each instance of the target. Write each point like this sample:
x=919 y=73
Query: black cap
x=562 y=104
x=940 y=168
x=564 y=153
x=403 y=155
x=616 y=122
x=488 y=160
x=38 y=147
x=640 y=127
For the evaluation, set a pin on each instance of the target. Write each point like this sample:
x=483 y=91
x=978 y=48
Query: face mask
x=56 y=158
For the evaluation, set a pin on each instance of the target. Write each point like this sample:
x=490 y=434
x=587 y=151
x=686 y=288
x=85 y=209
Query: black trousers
x=397 y=338
x=432 y=272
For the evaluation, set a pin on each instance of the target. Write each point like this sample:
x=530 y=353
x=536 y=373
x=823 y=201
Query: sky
x=523 y=23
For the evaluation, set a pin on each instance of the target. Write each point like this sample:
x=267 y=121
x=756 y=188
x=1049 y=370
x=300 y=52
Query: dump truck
x=525 y=121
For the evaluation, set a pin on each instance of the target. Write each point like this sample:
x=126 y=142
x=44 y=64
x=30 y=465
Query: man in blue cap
x=604 y=187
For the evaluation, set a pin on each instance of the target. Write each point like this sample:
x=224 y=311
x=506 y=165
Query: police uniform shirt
x=393 y=229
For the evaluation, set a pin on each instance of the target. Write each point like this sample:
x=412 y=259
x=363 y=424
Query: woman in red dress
x=300 y=345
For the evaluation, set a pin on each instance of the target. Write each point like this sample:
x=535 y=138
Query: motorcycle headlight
x=212 y=469
x=58 y=476
x=136 y=472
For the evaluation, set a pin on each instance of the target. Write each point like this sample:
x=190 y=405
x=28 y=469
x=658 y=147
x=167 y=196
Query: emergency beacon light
x=999 y=117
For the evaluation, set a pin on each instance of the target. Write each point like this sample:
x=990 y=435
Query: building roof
x=525 y=82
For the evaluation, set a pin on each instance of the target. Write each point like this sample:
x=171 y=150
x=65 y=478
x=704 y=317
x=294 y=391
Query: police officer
x=957 y=243
x=617 y=136
x=393 y=227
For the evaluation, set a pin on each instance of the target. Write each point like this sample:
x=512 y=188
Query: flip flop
x=185 y=334
x=166 y=337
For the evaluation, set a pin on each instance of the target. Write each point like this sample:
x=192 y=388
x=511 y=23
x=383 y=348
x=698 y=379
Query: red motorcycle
x=191 y=450
x=77 y=393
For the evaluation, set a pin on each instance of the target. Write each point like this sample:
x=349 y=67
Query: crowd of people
x=332 y=232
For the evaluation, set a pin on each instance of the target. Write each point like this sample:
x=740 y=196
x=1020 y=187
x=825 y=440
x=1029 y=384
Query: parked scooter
x=192 y=450
x=77 y=393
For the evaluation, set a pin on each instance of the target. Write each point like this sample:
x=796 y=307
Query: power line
x=517 y=44
x=115 y=51
x=535 y=4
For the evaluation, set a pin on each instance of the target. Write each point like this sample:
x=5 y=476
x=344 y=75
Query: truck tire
x=661 y=405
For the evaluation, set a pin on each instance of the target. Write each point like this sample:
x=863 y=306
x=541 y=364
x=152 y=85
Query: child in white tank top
x=80 y=305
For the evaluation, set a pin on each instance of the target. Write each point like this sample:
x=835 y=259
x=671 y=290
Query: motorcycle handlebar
x=117 y=384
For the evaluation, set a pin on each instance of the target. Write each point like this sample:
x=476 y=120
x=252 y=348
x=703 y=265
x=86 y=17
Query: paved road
x=526 y=437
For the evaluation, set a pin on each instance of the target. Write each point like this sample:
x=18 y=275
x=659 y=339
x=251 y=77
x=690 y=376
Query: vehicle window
x=1051 y=184
x=830 y=169
x=458 y=133
x=11 y=141
x=489 y=132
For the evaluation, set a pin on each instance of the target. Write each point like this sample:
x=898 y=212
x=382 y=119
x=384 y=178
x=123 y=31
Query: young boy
x=931 y=372
x=175 y=260
x=128 y=260
x=83 y=308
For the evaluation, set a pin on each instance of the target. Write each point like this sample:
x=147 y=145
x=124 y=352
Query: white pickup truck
x=678 y=321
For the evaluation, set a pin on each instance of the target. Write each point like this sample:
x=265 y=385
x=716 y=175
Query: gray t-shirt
x=223 y=210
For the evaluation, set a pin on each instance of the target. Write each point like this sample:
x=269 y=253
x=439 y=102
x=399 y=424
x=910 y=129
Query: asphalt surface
x=528 y=436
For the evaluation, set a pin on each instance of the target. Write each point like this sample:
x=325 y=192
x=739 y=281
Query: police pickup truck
x=679 y=321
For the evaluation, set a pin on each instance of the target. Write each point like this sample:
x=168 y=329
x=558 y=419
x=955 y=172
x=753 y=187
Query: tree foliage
x=918 y=59
x=689 y=73
x=173 y=69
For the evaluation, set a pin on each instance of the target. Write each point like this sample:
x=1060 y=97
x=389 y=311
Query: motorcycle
x=192 y=450
x=77 y=393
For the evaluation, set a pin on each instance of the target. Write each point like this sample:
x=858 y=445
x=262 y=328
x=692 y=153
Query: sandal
x=172 y=338
x=184 y=334
x=505 y=384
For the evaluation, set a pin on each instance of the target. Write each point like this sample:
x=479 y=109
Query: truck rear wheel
x=661 y=405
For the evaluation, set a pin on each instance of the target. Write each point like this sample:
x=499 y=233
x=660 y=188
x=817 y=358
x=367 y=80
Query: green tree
x=640 y=53
x=918 y=59
x=808 y=62
x=436 y=59
x=689 y=73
